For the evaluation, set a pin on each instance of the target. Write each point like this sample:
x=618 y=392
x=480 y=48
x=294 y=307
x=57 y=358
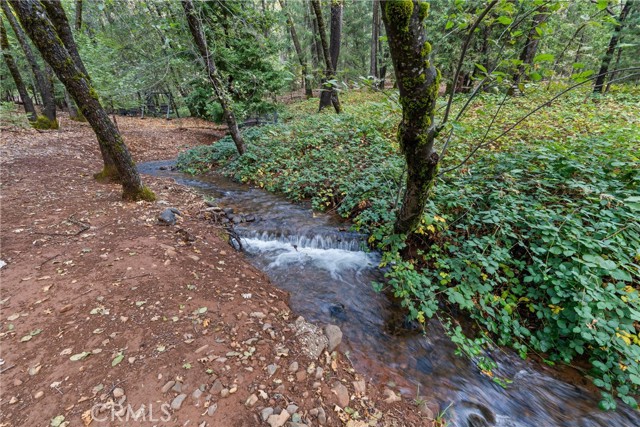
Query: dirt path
x=109 y=318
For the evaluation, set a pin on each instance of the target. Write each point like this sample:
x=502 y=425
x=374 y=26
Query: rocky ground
x=109 y=317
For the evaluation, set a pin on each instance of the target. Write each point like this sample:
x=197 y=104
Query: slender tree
x=43 y=84
x=613 y=43
x=302 y=59
x=531 y=44
x=78 y=22
x=41 y=30
x=418 y=82
x=375 y=37
x=214 y=77
x=15 y=73
x=58 y=18
x=330 y=71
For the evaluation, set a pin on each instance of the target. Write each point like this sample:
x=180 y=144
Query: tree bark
x=78 y=22
x=60 y=22
x=214 y=77
x=302 y=59
x=42 y=32
x=613 y=43
x=45 y=88
x=15 y=73
x=375 y=37
x=418 y=85
x=329 y=66
x=531 y=45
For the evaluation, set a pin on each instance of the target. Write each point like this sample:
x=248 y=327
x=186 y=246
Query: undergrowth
x=536 y=238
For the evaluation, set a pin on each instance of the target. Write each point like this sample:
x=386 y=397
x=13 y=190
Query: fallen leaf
x=116 y=360
x=57 y=421
x=79 y=356
x=13 y=317
x=86 y=417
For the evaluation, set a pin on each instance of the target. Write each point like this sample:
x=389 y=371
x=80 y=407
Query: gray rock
x=360 y=387
x=342 y=394
x=296 y=424
x=271 y=369
x=424 y=409
x=293 y=367
x=212 y=409
x=216 y=388
x=237 y=219
x=278 y=420
x=334 y=335
x=177 y=402
x=177 y=387
x=228 y=211
x=292 y=409
x=312 y=340
x=319 y=373
x=266 y=413
x=476 y=420
x=167 y=386
x=250 y=218
x=295 y=418
x=251 y=400
x=168 y=216
x=224 y=393
x=322 y=416
x=197 y=393
x=118 y=392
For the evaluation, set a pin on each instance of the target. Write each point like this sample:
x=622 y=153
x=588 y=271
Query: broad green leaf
x=543 y=57
x=505 y=20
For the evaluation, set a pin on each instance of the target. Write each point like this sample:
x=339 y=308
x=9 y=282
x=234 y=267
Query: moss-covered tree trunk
x=302 y=59
x=613 y=43
x=329 y=95
x=418 y=83
x=45 y=88
x=214 y=77
x=15 y=73
x=40 y=29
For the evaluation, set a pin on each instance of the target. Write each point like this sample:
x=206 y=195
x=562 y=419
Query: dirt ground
x=108 y=318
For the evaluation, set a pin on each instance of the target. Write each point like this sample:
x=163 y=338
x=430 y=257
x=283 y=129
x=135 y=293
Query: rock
x=266 y=413
x=17 y=382
x=216 y=388
x=167 y=386
x=118 y=392
x=292 y=409
x=271 y=369
x=212 y=409
x=312 y=340
x=250 y=218
x=38 y=395
x=319 y=373
x=13 y=400
x=334 y=336
x=293 y=367
x=168 y=216
x=391 y=397
x=233 y=389
x=424 y=409
x=476 y=420
x=278 y=420
x=342 y=394
x=251 y=400
x=177 y=387
x=296 y=424
x=228 y=211
x=360 y=387
x=237 y=219
x=263 y=394
x=224 y=393
x=322 y=416
x=177 y=402
x=197 y=393
x=295 y=419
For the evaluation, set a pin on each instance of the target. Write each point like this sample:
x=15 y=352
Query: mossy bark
x=15 y=74
x=418 y=82
x=329 y=91
x=40 y=29
x=302 y=59
x=45 y=88
x=214 y=77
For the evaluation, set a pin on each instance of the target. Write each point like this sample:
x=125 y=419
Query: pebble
x=167 y=386
x=197 y=393
x=342 y=394
x=251 y=400
x=425 y=410
x=177 y=387
x=319 y=373
x=293 y=367
x=233 y=389
x=212 y=409
x=292 y=409
x=17 y=382
x=263 y=394
x=13 y=400
x=271 y=369
x=391 y=396
x=360 y=387
x=217 y=387
x=266 y=413
x=177 y=402
x=278 y=420
x=118 y=392
x=38 y=395
x=224 y=393
x=322 y=416
x=295 y=419
x=334 y=335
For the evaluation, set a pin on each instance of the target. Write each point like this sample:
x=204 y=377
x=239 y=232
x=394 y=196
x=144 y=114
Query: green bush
x=537 y=240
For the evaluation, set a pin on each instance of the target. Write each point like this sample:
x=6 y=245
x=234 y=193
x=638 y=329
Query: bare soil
x=107 y=316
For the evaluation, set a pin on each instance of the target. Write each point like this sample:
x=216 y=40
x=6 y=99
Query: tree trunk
x=329 y=95
x=375 y=36
x=613 y=43
x=316 y=45
x=45 y=88
x=615 y=67
x=299 y=52
x=42 y=32
x=15 y=73
x=78 y=22
x=418 y=83
x=214 y=77
x=531 y=45
x=61 y=24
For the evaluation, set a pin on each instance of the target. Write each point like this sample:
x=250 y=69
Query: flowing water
x=329 y=276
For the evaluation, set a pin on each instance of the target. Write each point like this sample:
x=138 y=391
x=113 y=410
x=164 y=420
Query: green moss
x=143 y=194
x=424 y=10
x=107 y=174
x=399 y=12
x=93 y=93
x=426 y=49
x=43 y=123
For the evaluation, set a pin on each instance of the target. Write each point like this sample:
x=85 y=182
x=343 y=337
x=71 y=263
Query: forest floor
x=108 y=318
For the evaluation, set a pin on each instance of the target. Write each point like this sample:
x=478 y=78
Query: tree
x=41 y=30
x=375 y=38
x=212 y=72
x=78 y=22
x=613 y=43
x=299 y=52
x=15 y=73
x=418 y=82
x=531 y=44
x=45 y=88
x=330 y=70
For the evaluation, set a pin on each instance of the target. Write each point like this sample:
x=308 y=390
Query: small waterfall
x=344 y=241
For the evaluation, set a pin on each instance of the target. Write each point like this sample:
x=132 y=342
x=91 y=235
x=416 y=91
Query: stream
x=328 y=276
